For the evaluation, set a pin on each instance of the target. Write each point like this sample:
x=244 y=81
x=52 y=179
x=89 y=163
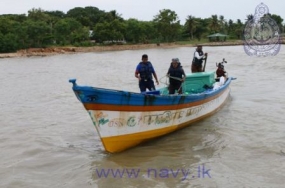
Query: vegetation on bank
x=90 y=26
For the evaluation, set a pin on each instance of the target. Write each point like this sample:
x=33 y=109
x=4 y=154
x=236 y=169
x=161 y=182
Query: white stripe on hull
x=116 y=123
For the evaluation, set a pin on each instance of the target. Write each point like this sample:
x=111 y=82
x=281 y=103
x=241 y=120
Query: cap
x=176 y=59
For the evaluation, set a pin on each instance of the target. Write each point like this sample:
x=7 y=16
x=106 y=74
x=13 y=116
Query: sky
x=145 y=10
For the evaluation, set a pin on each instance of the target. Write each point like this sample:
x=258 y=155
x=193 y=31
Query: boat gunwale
x=211 y=91
x=198 y=99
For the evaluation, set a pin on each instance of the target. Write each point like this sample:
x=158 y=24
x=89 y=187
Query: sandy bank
x=66 y=50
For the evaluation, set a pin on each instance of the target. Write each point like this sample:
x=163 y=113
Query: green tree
x=65 y=29
x=57 y=14
x=230 y=28
x=36 y=32
x=80 y=15
x=80 y=35
x=167 y=24
x=110 y=16
x=222 y=23
x=15 y=17
x=8 y=43
x=49 y=17
x=214 y=24
x=249 y=17
x=140 y=31
x=88 y=16
x=110 y=31
x=191 y=25
x=54 y=17
x=278 y=21
x=238 y=29
x=7 y=26
x=134 y=30
x=149 y=31
x=202 y=28
x=10 y=32
x=21 y=35
x=38 y=15
x=94 y=15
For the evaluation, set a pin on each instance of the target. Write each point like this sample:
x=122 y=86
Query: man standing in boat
x=176 y=76
x=198 y=58
x=144 y=72
x=220 y=72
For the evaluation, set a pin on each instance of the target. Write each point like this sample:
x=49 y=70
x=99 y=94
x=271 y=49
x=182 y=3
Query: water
x=47 y=138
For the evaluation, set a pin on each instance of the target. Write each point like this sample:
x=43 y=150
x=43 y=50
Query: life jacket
x=197 y=61
x=146 y=70
x=175 y=72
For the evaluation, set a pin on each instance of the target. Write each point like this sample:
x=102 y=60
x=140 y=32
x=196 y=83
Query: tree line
x=82 y=26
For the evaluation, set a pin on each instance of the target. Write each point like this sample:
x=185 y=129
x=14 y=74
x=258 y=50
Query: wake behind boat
x=125 y=119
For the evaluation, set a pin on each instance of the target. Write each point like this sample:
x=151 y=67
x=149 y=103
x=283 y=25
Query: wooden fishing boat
x=125 y=119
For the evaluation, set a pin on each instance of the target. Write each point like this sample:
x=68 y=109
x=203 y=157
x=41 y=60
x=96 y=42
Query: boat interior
x=194 y=83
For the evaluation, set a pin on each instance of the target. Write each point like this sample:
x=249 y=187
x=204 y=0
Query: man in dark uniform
x=198 y=58
x=220 y=71
x=144 y=72
x=176 y=76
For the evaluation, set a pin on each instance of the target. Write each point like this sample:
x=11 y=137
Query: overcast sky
x=145 y=10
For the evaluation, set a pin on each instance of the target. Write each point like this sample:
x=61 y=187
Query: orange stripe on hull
x=90 y=106
x=120 y=143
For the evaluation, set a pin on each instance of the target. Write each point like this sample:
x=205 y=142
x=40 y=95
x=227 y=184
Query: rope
x=175 y=78
x=167 y=84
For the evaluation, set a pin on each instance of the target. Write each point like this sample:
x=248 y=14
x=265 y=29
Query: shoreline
x=72 y=50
